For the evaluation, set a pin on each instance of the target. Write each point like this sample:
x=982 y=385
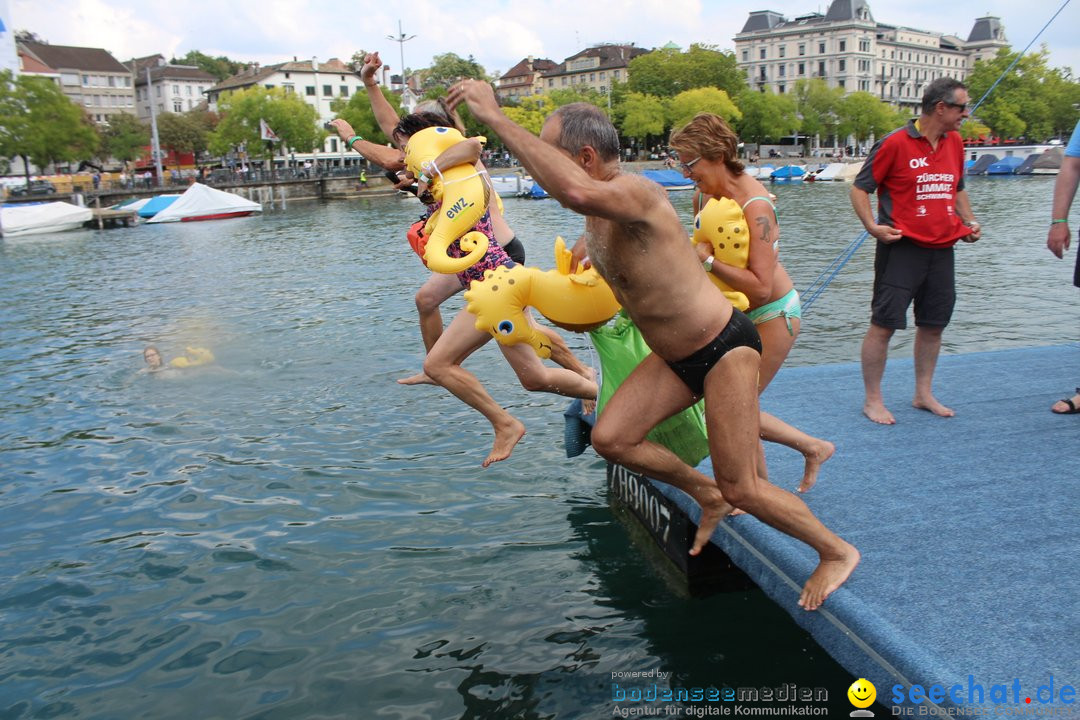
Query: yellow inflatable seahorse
x=579 y=302
x=193 y=357
x=464 y=197
x=722 y=224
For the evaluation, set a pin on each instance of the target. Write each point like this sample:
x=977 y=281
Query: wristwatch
x=708 y=263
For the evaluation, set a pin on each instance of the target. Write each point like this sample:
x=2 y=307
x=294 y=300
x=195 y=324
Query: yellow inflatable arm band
x=579 y=301
x=193 y=357
x=463 y=195
x=722 y=224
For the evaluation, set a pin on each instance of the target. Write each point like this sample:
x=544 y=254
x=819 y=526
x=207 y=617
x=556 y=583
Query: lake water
x=297 y=536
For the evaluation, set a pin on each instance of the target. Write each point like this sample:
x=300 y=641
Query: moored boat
x=200 y=202
x=42 y=218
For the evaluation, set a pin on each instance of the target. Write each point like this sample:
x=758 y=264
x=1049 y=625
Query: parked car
x=37 y=187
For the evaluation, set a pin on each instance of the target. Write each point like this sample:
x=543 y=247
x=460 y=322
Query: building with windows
x=848 y=49
x=319 y=84
x=597 y=68
x=91 y=77
x=523 y=79
x=171 y=88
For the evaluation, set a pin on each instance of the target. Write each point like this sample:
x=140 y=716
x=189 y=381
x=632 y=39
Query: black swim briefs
x=739 y=332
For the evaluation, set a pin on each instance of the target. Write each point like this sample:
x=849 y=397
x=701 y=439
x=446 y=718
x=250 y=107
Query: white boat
x=42 y=218
x=830 y=172
x=200 y=202
x=513 y=185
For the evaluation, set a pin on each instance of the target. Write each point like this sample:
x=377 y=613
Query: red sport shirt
x=917 y=185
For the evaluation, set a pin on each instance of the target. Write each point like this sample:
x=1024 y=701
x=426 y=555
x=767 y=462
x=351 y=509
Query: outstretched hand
x=478 y=95
x=343 y=128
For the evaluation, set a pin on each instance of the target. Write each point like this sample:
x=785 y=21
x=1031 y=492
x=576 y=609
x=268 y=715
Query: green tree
x=529 y=113
x=186 y=132
x=766 y=116
x=666 y=73
x=291 y=119
x=220 y=67
x=357 y=111
x=448 y=67
x=123 y=138
x=816 y=104
x=1032 y=99
x=39 y=124
x=683 y=107
x=641 y=115
x=862 y=115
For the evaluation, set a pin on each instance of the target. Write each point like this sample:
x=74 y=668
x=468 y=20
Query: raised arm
x=616 y=198
x=385 y=157
x=385 y=114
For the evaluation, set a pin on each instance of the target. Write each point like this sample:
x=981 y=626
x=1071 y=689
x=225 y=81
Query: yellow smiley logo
x=862 y=693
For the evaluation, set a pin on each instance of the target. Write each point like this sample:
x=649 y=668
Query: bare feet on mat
x=588 y=407
x=815 y=458
x=505 y=439
x=931 y=404
x=417 y=379
x=877 y=412
x=830 y=574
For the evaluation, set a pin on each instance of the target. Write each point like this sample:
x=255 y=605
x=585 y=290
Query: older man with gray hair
x=702 y=346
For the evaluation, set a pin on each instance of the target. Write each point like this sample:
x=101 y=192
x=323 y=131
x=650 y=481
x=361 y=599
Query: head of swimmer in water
x=152 y=357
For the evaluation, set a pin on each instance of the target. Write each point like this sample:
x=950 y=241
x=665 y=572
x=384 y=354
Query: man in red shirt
x=923 y=209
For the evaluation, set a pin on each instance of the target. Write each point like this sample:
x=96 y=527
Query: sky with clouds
x=497 y=33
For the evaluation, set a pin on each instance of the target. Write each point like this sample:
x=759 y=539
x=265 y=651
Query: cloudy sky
x=498 y=33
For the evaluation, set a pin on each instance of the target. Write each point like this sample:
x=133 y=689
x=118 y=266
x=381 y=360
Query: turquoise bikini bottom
x=786 y=307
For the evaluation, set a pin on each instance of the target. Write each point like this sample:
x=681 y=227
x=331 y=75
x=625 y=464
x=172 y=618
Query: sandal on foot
x=1073 y=409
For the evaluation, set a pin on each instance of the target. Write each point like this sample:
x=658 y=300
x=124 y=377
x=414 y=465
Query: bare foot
x=830 y=574
x=417 y=379
x=713 y=510
x=505 y=440
x=877 y=412
x=815 y=458
x=930 y=403
x=588 y=406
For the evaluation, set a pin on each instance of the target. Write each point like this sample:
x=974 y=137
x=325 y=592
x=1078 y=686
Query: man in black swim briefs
x=701 y=347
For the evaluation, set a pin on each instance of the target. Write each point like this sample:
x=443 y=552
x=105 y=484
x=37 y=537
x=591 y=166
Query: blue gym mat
x=969 y=529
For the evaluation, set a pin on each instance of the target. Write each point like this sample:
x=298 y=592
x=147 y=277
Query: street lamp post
x=401 y=39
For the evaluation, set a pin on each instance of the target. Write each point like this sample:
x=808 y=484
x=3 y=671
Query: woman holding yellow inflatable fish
x=462 y=338
x=439 y=287
x=738 y=240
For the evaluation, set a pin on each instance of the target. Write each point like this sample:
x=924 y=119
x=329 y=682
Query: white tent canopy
x=42 y=218
x=200 y=202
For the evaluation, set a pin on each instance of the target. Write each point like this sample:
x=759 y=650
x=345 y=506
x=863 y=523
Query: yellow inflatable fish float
x=722 y=224
x=578 y=301
x=193 y=357
x=463 y=195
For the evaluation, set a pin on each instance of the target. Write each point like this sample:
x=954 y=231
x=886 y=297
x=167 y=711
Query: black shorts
x=904 y=271
x=515 y=250
x=739 y=332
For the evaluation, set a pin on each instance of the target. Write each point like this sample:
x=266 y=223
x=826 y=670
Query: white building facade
x=848 y=49
x=319 y=84
x=170 y=88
